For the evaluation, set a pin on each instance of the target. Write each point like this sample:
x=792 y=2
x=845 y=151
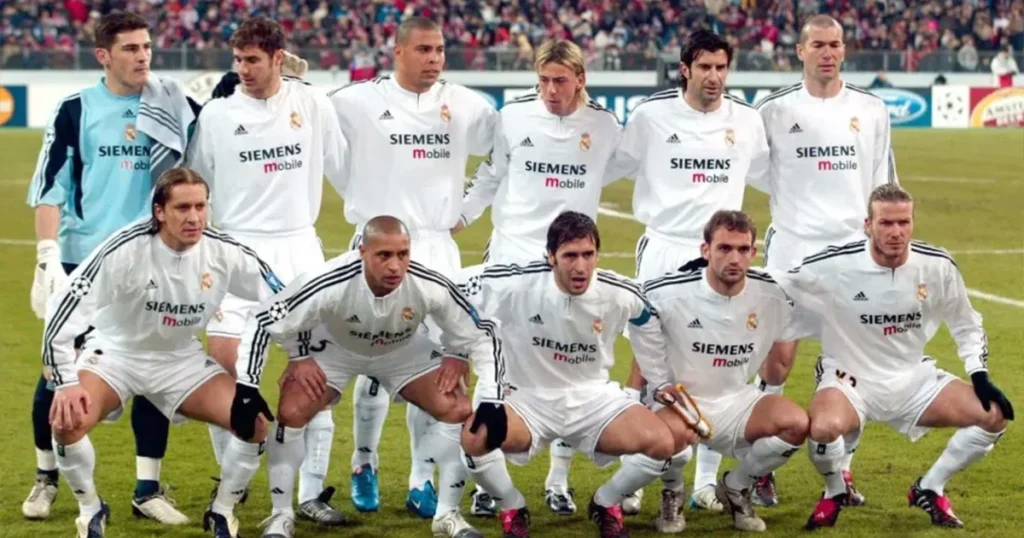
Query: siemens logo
x=164 y=307
x=719 y=362
x=170 y=321
x=575 y=347
x=887 y=319
x=555 y=183
x=720 y=349
x=700 y=164
x=124 y=151
x=383 y=338
x=280 y=152
x=815 y=152
x=554 y=168
x=420 y=139
x=282 y=166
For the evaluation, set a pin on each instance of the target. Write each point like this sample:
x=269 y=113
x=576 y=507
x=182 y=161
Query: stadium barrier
x=27 y=98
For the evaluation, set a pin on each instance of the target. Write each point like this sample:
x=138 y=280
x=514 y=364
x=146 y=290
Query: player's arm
x=884 y=164
x=780 y=359
x=764 y=182
x=760 y=158
x=626 y=159
x=201 y=155
x=336 y=148
x=252 y=278
x=647 y=338
x=487 y=179
x=807 y=284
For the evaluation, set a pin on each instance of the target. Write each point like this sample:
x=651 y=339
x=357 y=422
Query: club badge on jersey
x=446 y=114
x=584 y=141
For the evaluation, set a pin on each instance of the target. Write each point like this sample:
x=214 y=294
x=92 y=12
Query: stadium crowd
x=897 y=35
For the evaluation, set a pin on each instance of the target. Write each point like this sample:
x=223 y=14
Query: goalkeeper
x=560 y=318
x=720 y=319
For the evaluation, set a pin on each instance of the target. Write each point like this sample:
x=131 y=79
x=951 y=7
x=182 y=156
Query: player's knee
x=68 y=435
x=474 y=444
x=662 y=447
x=457 y=413
x=292 y=415
x=825 y=428
x=796 y=425
x=993 y=420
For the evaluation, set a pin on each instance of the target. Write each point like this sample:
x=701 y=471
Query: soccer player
x=560 y=318
x=881 y=300
x=360 y=314
x=830 y=146
x=101 y=151
x=410 y=135
x=691 y=151
x=265 y=150
x=721 y=318
x=148 y=291
x=550 y=154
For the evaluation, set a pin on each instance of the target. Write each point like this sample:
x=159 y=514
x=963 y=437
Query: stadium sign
x=906 y=108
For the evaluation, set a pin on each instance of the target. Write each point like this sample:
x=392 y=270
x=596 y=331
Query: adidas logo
x=365 y=450
x=795 y=129
x=128 y=114
x=860 y=297
x=526 y=143
x=386 y=116
x=241 y=130
x=151 y=285
x=536 y=319
x=209 y=363
x=277 y=491
x=353 y=319
x=435 y=354
x=674 y=139
x=695 y=324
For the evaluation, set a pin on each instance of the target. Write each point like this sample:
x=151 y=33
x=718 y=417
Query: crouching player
x=148 y=291
x=720 y=319
x=359 y=315
x=881 y=300
x=560 y=318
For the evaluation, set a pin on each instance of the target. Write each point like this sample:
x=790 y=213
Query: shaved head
x=383 y=225
x=822 y=22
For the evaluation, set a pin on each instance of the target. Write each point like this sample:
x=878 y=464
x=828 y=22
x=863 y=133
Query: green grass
x=968 y=186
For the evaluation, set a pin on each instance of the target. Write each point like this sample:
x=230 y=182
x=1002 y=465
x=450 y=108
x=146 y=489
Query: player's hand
x=308 y=374
x=988 y=393
x=451 y=372
x=49 y=275
x=226 y=86
x=458 y=227
x=70 y=406
x=246 y=409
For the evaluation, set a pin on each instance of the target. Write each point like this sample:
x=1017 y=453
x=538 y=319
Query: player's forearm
x=47 y=222
x=778 y=364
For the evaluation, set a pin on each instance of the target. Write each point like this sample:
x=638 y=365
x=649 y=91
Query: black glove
x=226 y=86
x=987 y=392
x=491 y=414
x=694 y=264
x=245 y=408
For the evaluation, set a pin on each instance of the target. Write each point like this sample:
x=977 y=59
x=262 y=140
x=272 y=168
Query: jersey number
x=841 y=375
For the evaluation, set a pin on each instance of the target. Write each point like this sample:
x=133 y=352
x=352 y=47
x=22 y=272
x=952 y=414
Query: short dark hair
x=703 y=40
x=570 y=226
x=734 y=221
x=414 y=23
x=888 y=192
x=260 y=32
x=170 y=179
x=112 y=24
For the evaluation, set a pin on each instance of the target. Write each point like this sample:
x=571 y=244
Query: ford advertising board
x=907 y=108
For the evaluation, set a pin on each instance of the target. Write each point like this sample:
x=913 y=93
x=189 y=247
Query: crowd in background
x=895 y=35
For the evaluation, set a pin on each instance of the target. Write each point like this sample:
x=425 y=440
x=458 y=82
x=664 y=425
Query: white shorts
x=899 y=400
x=165 y=379
x=288 y=255
x=656 y=254
x=391 y=372
x=578 y=416
x=503 y=249
x=728 y=416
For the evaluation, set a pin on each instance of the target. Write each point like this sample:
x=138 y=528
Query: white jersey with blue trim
x=337 y=300
x=142 y=297
x=561 y=341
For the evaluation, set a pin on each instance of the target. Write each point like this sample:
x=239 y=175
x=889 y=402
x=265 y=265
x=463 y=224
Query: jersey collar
x=807 y=95
x=430 y=95
x=720 y=111
x=164 y=253
x=271 y=101
x=713 y=295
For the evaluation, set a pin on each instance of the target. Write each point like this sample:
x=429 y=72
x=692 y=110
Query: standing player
x=410 y=136
x=148 y=291
x=560 y=318
x=94 y=176
x=551 y=149
x=365 y=309
x=721 y=318
x=692 y=151
x=880 y=301
x=830 y=146
x=265 y=150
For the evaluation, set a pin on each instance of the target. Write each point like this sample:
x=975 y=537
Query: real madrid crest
x=730 y=137
x=752 y=321
x=408 y=313
x=206 y=282
x=855 y=124
x=93 y=359
x=584 y=141
x=597 y=326
x=296 y=120
x=446 y=114
x=129 y=132
x=218 y=315
x=922 y=292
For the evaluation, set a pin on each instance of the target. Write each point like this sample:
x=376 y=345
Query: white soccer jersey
x=688 y=164
x=409 y=150
x=542 y=165
x=142 y=297
x=560 y=341
x=876 y=320
x=827 y=155
x=717 y=343
x=265 y=159
x=337 y=300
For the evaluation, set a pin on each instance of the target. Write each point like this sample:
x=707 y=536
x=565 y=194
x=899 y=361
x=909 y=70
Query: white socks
x=672 y=478
x=370 y=405
x=313 y=473
x=242 y=460
x=637 y=471
x=77 y=462
x=827 y=459
x=850 y=440
x=558 y=472
x=46 y=460
x=285 y=450
x=219 y=437
x=424 y=454
x=708 y=462
x=452 y=477
x=967 y=446
x=491 y=473
x=147 y=468
x=764 y=456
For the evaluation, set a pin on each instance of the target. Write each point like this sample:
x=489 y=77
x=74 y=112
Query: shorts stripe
x=641 y=246
x=768 y=244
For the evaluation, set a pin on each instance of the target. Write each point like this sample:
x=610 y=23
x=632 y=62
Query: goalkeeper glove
x=49 y=275
x=247 y=406
x=988 y=393
x=226 y=86
x=293 y=66
x=491 y=413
